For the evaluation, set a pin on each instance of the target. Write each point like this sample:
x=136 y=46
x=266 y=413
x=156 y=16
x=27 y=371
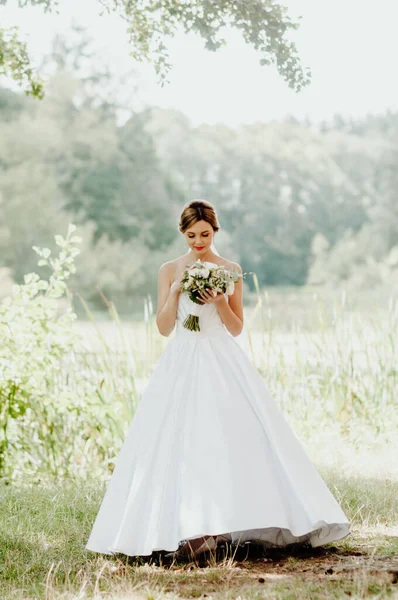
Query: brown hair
x=198 y=210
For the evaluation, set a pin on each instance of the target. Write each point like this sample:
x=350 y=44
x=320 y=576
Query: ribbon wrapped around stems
x=192 y=320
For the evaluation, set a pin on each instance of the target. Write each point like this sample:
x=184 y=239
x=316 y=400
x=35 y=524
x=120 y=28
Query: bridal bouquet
x=205 y=276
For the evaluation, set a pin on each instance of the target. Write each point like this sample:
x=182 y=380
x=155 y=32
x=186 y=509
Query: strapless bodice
x=209 y=319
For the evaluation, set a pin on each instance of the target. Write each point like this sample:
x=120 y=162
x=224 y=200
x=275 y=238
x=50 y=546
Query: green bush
x=51 y=419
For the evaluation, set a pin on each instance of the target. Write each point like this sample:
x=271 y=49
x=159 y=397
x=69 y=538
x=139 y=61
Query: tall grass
x=335 y=383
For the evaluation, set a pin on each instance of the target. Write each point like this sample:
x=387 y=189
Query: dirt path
x=365 y=567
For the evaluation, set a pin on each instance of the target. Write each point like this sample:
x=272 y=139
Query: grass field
x=44 y=530
x=331 y=365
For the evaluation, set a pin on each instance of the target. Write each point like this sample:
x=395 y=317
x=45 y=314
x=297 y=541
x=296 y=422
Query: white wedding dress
x=209 y=452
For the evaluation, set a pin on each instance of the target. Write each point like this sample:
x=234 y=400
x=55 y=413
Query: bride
x=208 y=456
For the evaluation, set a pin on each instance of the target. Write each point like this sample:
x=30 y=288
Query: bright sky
x=350 y=45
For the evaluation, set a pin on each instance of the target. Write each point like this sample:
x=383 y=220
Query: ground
x=365 y=566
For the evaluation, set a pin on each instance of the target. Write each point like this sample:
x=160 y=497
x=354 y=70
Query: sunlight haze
x=350 y=47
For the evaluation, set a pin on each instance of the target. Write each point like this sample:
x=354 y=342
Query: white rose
x=205 y=273
x=230 y=288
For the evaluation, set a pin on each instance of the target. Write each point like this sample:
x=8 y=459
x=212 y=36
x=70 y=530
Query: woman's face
x=199 y=237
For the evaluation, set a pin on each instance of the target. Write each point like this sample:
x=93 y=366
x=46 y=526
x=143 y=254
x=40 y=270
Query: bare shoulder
x=236 y=267
x=170 y=267
x=166 y=267
x=177 y=263
x=166 y=271
x=232 y=265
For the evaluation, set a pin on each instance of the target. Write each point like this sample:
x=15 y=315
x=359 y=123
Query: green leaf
x=60 y=241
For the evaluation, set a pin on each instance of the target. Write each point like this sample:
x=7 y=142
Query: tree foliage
x=264 y=24
x=296 y=203
x=14 y=62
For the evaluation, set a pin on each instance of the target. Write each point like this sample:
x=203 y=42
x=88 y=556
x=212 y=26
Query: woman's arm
x=231 y=310
x=168 y=293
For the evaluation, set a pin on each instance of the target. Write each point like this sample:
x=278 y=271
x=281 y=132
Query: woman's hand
x=208 y=297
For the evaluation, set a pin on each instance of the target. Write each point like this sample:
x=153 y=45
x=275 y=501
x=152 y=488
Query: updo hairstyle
x=198 y=210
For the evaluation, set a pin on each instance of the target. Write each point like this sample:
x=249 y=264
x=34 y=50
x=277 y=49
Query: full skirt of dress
x=209 y=452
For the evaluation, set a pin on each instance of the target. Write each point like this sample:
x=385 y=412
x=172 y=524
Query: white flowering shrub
x=51 y=422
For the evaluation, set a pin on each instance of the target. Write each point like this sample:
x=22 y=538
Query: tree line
x=298 y=203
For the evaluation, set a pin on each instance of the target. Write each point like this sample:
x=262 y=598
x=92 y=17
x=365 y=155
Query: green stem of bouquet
x=192 y=323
